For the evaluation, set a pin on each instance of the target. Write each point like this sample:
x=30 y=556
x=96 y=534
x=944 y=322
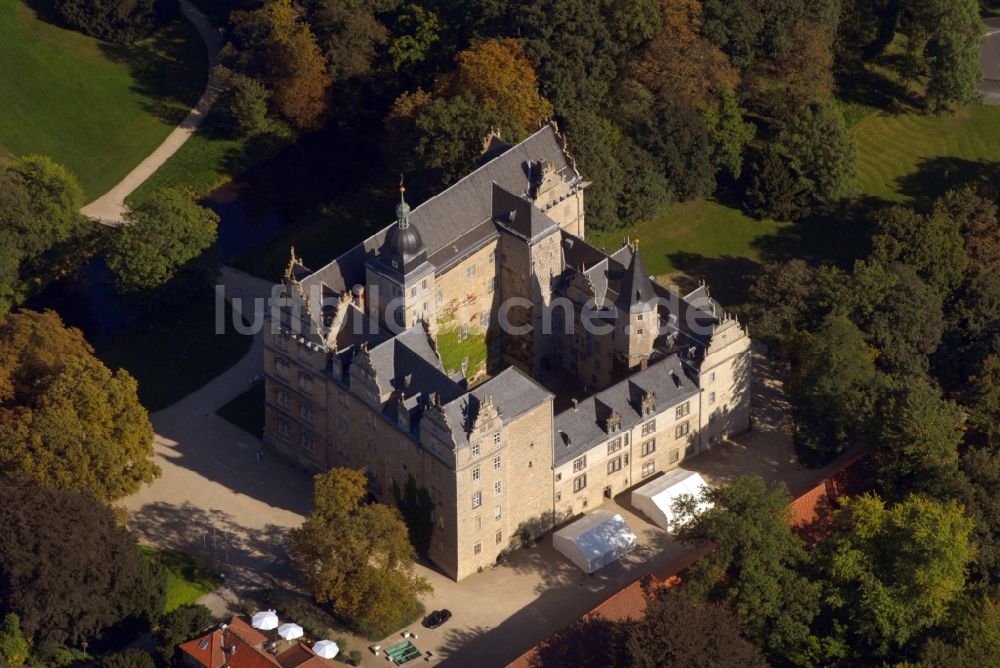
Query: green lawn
x=187 y=578
x=246 y=411
x=175 y=356
x=95 y=107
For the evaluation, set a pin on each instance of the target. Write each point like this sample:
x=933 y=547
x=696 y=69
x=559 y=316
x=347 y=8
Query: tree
x=680 y=64
x=112 y=20
x=729 y=134
x=917 y=439
x=417 y=30
x=972 y=332
x=976 y=216
x=573 y=50
x=14 y=648
x=295 y=69
x=676 y=630
x=65 y=419
x=974 y=642
x=894 y=571
x=55 y=200
x=947 y=34
x=976 y=491
x=357 y=558
x=931 y=245
x=984 y=404
x=755 y=566
x=830 y=388
x=902 y=317
x=245 y=99
x=180 y=625
x=130 y=658
x=810 y=163
x=350 y=34
x=498 y=74
x=67 y=569
x=783 y=295
x=161 y=235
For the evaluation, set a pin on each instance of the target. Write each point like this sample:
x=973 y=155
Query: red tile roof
x=220 y=648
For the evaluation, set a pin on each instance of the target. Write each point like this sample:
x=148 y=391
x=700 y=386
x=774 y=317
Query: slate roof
x=408 y=363
x=463 y=206
x=635 y=290
x=666 y=379
x=511 y=390
x=519 y=215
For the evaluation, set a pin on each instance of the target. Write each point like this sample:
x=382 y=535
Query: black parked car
x=436 y=618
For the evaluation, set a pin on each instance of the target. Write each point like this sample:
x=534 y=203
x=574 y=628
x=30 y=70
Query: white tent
x=656 y=498
x=265 y=620
x=595 y=540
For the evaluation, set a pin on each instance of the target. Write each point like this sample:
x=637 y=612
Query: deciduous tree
x=160 y=236
x=67 y=569
x=356 y=557
x=65 y=419
x=295 y=69
x=895 y=570
x=931 y=245
x=14 y=647
x=755 y=565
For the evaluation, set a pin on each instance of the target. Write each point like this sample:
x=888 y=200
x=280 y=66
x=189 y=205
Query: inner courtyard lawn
x=97 y=108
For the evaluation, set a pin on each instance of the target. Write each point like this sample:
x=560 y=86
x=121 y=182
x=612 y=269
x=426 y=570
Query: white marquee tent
x=656 y=498
x=595 y=540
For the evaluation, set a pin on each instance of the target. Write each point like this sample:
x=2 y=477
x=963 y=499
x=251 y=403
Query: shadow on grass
x=169 y=69
x=936 y=176
x=862 y=85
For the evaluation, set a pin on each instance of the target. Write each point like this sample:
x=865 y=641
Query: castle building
x=480 y=345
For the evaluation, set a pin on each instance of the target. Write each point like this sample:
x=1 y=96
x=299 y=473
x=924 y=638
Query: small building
x=595 y=540
x=656 y=498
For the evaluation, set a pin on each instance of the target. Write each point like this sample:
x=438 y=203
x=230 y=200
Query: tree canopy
x=67 y=569
x=161 y=235
x=65 y=419
x=754 y=568
x=356 y=557
x=111 y=20
x=895 y=570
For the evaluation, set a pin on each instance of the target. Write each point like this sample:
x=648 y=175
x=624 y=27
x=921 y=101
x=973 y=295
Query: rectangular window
x=475 y=473
x=306 y=442
x=579 y=482
x=497 y=488
x=282 y=398
x=477 y=549
x=496 y=439
x=305 y=383
x=649 y=427
x=683 y=409
x=341 y=399
x=484 y=320
x=440 y=297
x=413 y=291
x=558 y=477
x=284 y=429
x=711 y=397
x=281 y=367
x=580 y=464
x=370 y=419
x=493 y=256
x=423 y=284
x=615 y=465
x=477 y=523
x=342 y=424
x=497 y=513
x=711 y=377
x=470 y=271
x=675 y=456
x=499 y=537
x=496 y=463
x=682 y=429
x=477 y=499
x=614 y=445
x=648 y=469
x=306 y=412
x=369 y=444
x=647 y=447
x=463 y=333
x=475 y=450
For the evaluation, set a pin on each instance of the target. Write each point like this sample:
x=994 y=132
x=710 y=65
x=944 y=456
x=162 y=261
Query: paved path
x=991 y=62
x=110 y=207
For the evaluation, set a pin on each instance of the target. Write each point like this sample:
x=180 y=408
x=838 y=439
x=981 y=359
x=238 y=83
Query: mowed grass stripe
x=97 y=108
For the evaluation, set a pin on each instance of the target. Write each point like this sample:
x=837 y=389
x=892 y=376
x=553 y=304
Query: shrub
x=122 y=21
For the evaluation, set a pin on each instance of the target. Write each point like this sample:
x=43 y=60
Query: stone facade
x=354 y=374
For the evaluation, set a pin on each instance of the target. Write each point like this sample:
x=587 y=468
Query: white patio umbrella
x=326 y=649
x=265 y=620
x=290 y=631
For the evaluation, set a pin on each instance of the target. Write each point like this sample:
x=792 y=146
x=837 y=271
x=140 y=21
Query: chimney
x=359 y=297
